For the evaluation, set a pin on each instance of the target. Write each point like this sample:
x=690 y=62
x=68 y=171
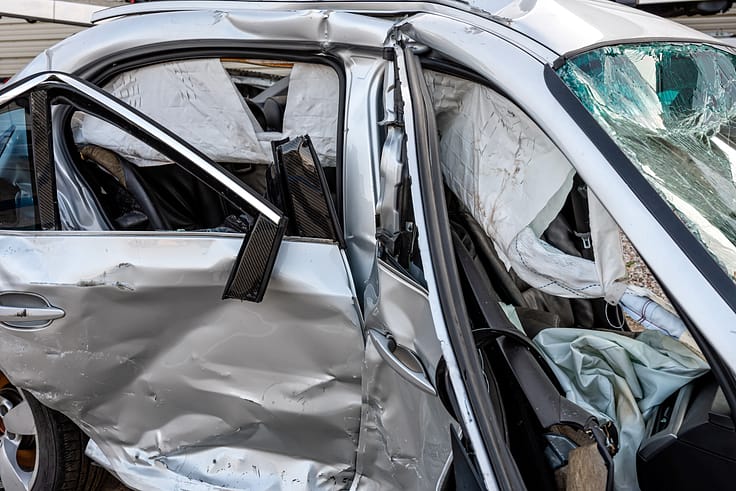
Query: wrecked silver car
x=369 y=246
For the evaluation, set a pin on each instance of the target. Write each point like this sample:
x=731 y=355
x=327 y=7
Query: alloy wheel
x=18 y=437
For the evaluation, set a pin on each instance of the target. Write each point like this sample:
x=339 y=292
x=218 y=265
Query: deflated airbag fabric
x=501 y=166
x=514 y=181
x=312 y=108
x=195 y=99
x=619 y=379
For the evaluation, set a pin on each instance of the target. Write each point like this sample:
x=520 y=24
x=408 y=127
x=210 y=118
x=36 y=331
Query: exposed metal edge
x=436 y=274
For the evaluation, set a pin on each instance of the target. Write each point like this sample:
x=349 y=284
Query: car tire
x=47 y=454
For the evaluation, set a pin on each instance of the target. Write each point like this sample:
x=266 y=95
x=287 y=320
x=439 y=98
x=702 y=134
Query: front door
x=125 y=330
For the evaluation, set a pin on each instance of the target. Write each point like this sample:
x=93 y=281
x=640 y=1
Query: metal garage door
x=722 y=24
x=21 y=41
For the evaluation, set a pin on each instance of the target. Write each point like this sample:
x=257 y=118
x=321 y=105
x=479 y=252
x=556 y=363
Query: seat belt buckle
x=585 y=237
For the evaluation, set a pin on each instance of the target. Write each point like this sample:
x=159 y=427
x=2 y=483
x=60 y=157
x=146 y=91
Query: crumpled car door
x=128 y=335
x=407 y=430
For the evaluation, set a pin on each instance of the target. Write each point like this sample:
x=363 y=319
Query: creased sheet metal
x=319 y=28
x=196 y=392
x=405 y=432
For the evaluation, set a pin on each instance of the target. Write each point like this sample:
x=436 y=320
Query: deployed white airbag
x=195 y=99
x=515 y=181
x=619 y=379
x=312 y=108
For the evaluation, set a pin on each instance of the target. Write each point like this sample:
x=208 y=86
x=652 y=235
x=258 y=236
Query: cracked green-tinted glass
x=672 y=109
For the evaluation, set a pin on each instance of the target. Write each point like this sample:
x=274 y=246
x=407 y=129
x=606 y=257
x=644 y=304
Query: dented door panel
x=178 y=388
x=405 y=432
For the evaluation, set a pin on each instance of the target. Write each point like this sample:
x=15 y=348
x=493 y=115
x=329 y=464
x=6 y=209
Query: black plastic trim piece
x=43 y=161
x=253 y=266
x=448 y=280
x=305 y=192
x=618 y=160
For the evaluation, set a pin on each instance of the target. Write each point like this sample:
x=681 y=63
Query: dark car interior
x=692 y=429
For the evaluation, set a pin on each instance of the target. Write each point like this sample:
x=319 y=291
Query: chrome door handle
x=26 y=310
x=20 y=314
x=402 y=360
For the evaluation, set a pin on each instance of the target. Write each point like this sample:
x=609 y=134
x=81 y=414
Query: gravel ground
x=639 y=275
x=637 y=271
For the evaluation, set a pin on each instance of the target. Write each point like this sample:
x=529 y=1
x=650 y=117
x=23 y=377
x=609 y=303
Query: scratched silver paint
x=198 y=392
x=404 y=440
x=320 y=28
x=177 y=388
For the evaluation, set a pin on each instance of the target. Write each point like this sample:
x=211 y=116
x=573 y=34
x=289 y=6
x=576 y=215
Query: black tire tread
x=79 y=473
x=62 y=444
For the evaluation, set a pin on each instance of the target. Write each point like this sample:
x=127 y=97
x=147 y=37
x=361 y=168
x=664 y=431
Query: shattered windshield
x=672 y=109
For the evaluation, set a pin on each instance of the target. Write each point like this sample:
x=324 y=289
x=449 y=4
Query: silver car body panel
x=364 y=79
x=321 y=29
x=298 y=421
x=466 y=414
x=560 y=25
x=324 y=30
x=180 y=396
x=404 y=441
x=235 y=433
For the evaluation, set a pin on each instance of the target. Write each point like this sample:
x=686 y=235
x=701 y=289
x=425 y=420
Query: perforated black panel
x=43 y=161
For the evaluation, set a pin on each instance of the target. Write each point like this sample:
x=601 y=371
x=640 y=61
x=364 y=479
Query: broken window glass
x=672 y=109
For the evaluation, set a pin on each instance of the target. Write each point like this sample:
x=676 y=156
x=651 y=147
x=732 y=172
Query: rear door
x=127 y=332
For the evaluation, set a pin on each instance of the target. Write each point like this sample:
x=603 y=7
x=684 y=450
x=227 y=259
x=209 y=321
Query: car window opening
x=533 y=242
x=229 y=109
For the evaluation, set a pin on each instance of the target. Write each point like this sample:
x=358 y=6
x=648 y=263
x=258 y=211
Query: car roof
x=562 y=26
